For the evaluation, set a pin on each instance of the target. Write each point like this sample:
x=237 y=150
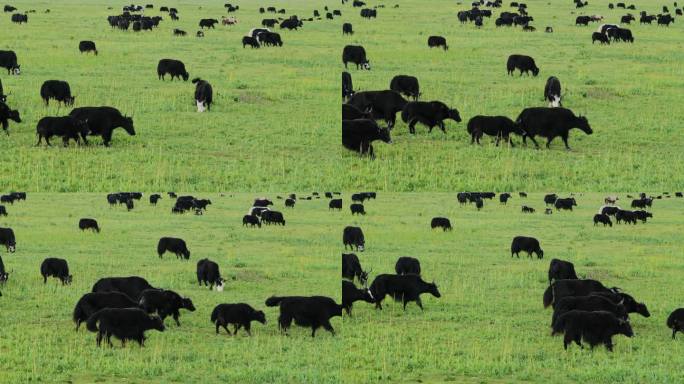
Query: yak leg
x=565 y=141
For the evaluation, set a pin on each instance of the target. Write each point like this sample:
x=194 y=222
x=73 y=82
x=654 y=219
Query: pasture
x=628 y=92
x=489 y=326
x=39 y=343
x=272 y=120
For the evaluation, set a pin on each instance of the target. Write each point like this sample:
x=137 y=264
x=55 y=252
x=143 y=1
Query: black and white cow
x=204 y=94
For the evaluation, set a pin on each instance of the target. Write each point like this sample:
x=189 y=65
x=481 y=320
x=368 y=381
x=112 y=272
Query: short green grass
x=272 y=122
x=629 y=93
x=490 y=325
x=38 y=340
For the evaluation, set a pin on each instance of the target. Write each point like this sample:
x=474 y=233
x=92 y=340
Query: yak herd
x=137 y=18
x=362 y=109
x=584 y=310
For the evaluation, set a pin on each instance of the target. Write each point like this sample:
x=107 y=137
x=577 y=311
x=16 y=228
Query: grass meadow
x=39 y=344
x=272 y=121
x=490 y=326
x=629 y=93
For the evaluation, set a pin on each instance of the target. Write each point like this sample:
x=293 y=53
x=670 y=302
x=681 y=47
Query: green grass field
x=490 y=325
x=627 y=91
x=272 y=121
x=38 y=340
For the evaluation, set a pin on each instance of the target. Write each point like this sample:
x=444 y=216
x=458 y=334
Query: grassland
x=272 y=123
x=490 y=325
x=628 y=92
x=39 y=344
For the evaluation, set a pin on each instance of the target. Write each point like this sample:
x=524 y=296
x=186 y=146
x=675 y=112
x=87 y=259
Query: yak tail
x=548 y=296
x=273 y=301
x=214 y=314
x=91 y=323
x=558 y=325
x=79 y=313
x=196 y=80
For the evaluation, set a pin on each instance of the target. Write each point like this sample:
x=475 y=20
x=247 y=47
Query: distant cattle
x=154 y=198
x=603 y=219
x=627 y=217
x=58 y=90
x=91 y=224
x=353 y=238
x=122 y=323
x=441 y=222
x=642 y=215
x=600 y=37
x=503 y=198
x=268 y=22
x=209 y=23
x=93 y=302
x=609 y=211
x=383 y=104
x=164 y=303
x=351 y=294
x=173 y=245
x=642 y=203
x=357 y=209
x=582 y=20
x=565 y=203
x=251 y=41
x=8 y=60
x=3 y=210
x=406 y=85
x=369 y=13
x=272 y=217
x=500 y=127
x=208 y=273
x=351 y=268
x=314 y=312
x=66 y=127
x=524 y=64
x=431 y=114
x=56 y=268
x=87 y=46
x=404 y=288
x=18 y=18
x=335 y=204
x=355 y=54
x=406 y=265
x=172 y=67
x=437 y=41
x=102 y=121
x=526 y=209
x=252 y=221
x=239 y=315
x=551 y=123
x=593 y=327
x=204 y=94
x=347 y=29
x=561 y=270
x=358 y=135
x=675 y=321
x=552 y=92
x=526 y=244
x=8 y=240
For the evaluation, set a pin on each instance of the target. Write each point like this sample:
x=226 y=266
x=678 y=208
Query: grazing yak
x=66 y=127
x=173 y=245
x=240 y=315
x=628 y=217
x=565 y=204
x=588 y=303
x=203 y=94
x=500 y=127
x=87 y=46
x=437 y=41
x=526 y=244
x=291 y=203
x=164 y=303
x=404 y=288
x=600 y=37
x=430 y=113
x=524 y=64
x=347 y=29
x=131 y=286
x=351 y=294
x=561 y=270
x=384 y=104
x=208 y=273
x=603 y=219
x=122 y=323
x=351 y=268
x=93 y=302
x=102 y=121
x=355 y=54
x=359 y=135
x=209 y=23
x=676 y=321
x=406 y=85
x=353 y=237
x=84 y=224
x=347 y=86
x=552 y=92
x=8 y=240
x=441 y=222
x=357 y=209
x=272 y=217
x=335 y=204
x=7 y=114
x=593 y=327
x=251 y=220
x=58 y=90
x=503 y=198
x=172 y=67
x=313 y=311
x=406 y=265
x=8 y=60
x=154 y=198
x=56 y=268
x=550 y=123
